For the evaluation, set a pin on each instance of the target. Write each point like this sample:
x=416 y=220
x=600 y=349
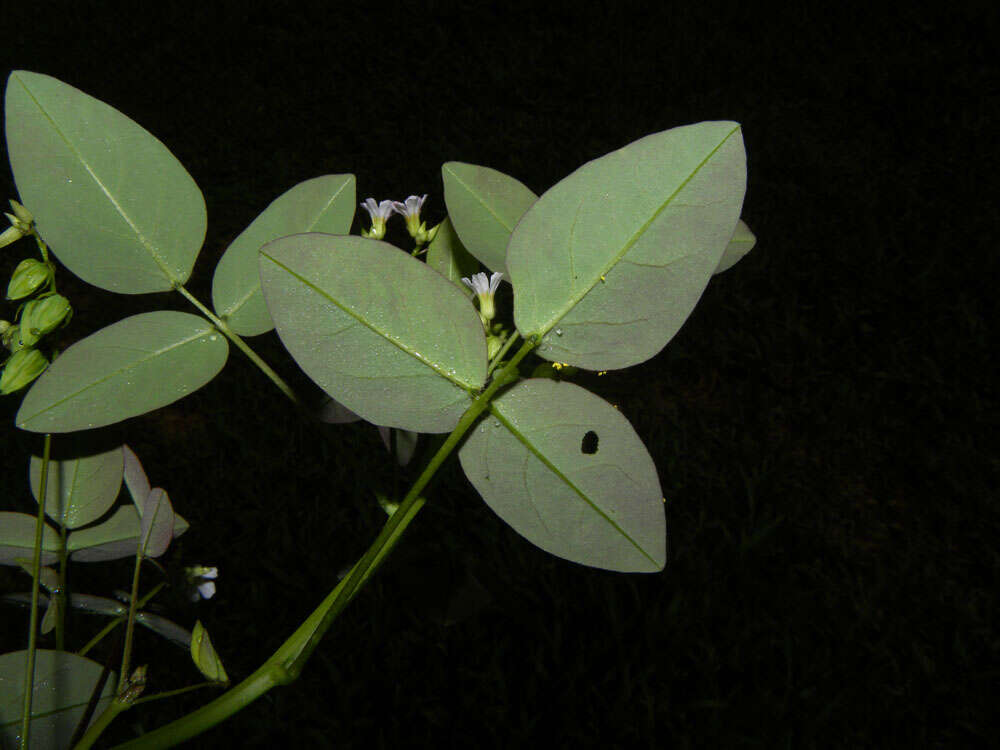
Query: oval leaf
x=447 y=255
x=323 y=204
x=115 y=538
x=566 y=470
x=484 y=205
x=129 y=368
x=156 y=528
x=17 y=539
x=609 y=263
x=379 y=331
x=60 y=693
x=79 y=490
x=111 y=201
x=204 y=655
x=740 y=244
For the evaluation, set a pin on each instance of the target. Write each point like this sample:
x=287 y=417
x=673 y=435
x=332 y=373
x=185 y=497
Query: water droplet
x=559 y=332
x=213 y=337
x=69 y=180
x=496 y=424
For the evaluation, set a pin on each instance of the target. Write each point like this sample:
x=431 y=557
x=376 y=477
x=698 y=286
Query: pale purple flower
x=484 y=289
x=379 y=213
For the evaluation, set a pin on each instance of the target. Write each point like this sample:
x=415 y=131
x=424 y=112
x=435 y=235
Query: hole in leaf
x=589 y=443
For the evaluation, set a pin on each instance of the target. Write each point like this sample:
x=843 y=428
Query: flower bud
x=21 y=369
x=43 y=315
x=29 y=275
x=11 y=336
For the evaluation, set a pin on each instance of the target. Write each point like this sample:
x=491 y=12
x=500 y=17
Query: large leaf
x=129 y=368
x=740 y=244
x=60 y=693
x=17 y=539
x=387 y=337
x=566 y=470
x=447 y=255
x=608 y=264
x=323 y=204
x=79 y=490
x=484 y=205
x=111 y=201
x=115 y=538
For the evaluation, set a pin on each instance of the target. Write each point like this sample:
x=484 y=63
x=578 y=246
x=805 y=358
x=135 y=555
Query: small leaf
x=165 y=628
x=380 y=332
x=111 y=201
x=204 y=655
x=156 y=527
x=139 y=489
x=608 y=264
x=322 y=204
x=741 y=243
x=61 y=690
x=79 y=490
x=115 y=538
x=127 y=369
x=17 y=539
x=447 y=255
x=406 y=443
x=531 y=463
x=484 y=205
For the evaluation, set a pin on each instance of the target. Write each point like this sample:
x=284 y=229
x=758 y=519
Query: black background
x=821 y=424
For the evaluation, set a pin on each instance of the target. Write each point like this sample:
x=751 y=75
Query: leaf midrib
x=164 y=269
x=551 y=467
x=575 y=298
x=469 y=387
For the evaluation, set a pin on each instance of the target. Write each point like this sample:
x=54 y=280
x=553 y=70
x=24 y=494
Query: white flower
x=484 y=290
x=410 y=210
x=202 y=582
x=380 y=213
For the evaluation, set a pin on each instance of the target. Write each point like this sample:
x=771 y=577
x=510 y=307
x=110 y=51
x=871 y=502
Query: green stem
x=123 y=680
x=102 y=722
x=118 y=621
x=36 y=564
x=242 y=345
x=503 y=350
x=286 y=663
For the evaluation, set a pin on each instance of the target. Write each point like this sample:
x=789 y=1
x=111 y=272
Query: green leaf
x=139 y=489
x=484 y=205
x=17 y=539
x=79 y=490
x=609 y=263
x=380 y=332
x=129 y=368
x=740 y=244
x=156 y=527
x=111 y=201
x=115 y=538
x=566 y=470
x=447 y=255
x=323 y=204
x=62 y=687
x=205 y=658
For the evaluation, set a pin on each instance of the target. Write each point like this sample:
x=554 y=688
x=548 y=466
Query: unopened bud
x=21 y=369
x=29 y=275
x=11 y=336
x=41 y=316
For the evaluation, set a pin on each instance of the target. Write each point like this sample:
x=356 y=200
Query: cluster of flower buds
x=408 y=209
x=21 y=224
x=36 y=317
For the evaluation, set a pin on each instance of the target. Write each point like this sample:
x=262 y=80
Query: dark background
x=821 y=424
